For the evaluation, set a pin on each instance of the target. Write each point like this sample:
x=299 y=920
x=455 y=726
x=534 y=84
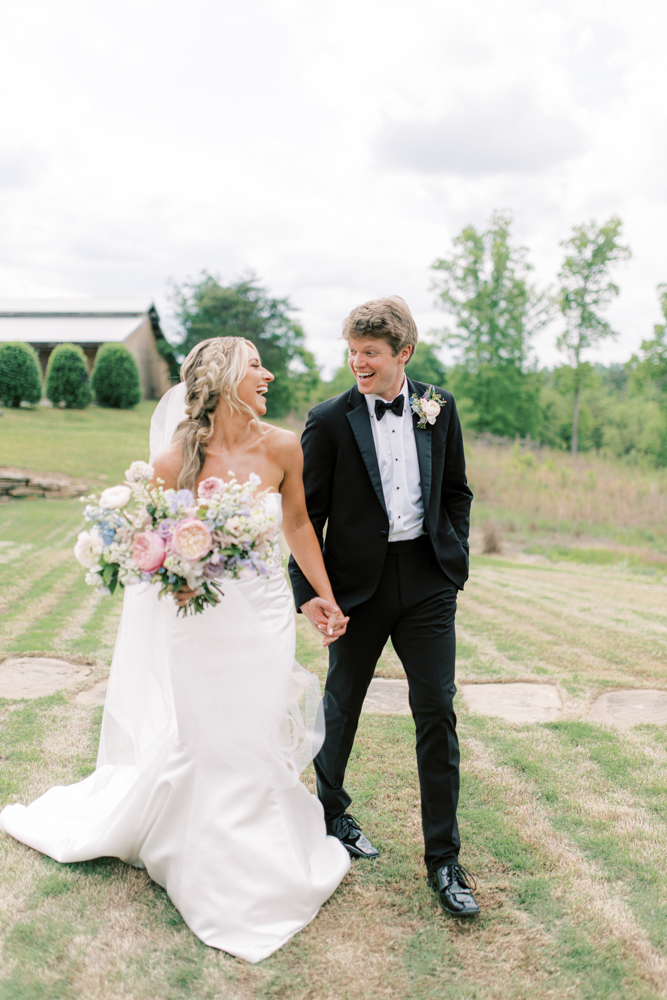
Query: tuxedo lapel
x=423 y=442
x=360 y=423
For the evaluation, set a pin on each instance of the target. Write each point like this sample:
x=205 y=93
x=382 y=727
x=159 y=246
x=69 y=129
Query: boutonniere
x=427 y=407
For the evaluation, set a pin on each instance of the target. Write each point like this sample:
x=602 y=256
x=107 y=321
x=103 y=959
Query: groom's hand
x=327 y=618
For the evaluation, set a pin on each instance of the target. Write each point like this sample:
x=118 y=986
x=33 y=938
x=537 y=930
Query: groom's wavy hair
x=213 y=369
x=386 y=319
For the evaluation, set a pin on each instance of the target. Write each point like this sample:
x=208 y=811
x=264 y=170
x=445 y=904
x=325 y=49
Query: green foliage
x=484 y=287
x=425 y=365
x=116 y=377
x=585 y=290
x=651 y=368
x=20 y=376
x=615 y=419
x=67 y=378
x=206 y=308
x=498 y=399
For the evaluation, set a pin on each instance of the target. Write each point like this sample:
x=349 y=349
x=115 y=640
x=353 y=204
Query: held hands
x=327 y=618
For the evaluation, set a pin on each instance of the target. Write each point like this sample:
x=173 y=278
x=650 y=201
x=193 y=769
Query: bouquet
x=142 y=533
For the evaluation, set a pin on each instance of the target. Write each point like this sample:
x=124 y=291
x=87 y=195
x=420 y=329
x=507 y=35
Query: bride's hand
x=327 y=618
x=183 y=595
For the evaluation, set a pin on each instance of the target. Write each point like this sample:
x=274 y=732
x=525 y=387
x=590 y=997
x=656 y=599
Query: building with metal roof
x=45 y=323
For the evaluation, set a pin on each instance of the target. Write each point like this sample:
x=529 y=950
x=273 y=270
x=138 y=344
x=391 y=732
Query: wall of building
x=153 y=369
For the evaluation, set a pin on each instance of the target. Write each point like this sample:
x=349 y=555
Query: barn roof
x=80 y=321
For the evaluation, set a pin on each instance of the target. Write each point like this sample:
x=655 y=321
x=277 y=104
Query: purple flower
x=182 y=498
x=165 y=528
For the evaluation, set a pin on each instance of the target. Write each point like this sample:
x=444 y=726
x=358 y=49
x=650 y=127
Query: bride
x=208 y=720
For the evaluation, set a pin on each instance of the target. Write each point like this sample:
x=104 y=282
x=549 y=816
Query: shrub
x=116 y=377
x=67 y=377
x=20 y=376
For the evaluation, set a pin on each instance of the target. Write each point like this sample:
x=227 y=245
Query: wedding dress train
x=207 y=725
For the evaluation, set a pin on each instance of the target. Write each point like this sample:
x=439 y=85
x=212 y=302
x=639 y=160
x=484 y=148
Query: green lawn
x=94 y=444
x=563 y=824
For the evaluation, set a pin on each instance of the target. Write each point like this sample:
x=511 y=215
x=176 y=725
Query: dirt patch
x=387 y=697
x=631 y=708
x=514 y=702
x=37 y=676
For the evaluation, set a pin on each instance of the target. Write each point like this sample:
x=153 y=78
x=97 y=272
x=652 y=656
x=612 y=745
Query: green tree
x=425 y=365
x=115 y=378
x=585 y=290
x=651 y=367
x=20 y=375
x=67 y=378
x=206 y=308
x=484 y=286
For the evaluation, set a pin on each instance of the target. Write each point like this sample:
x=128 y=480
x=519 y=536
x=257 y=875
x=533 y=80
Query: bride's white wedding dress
x=207 y=724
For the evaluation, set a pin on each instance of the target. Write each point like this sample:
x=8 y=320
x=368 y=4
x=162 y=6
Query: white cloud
x=149 y=139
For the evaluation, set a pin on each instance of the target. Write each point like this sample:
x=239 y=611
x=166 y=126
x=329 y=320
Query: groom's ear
x=405 y=354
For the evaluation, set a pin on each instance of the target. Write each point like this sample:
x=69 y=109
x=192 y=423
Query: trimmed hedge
x=116 y=377
x=67 y=378
x=20 y=375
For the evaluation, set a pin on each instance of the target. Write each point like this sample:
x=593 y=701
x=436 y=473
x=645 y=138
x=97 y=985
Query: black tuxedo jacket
x=343 y=489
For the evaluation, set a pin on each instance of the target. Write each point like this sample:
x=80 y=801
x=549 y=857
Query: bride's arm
x=302 y=540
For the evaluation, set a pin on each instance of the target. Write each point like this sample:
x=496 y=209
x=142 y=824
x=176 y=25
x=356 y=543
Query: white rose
x=139 y=472
x=115 y=497
x=88 y=549
x=430 y=408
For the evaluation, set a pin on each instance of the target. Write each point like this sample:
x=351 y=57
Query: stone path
x=94 y=695
x=387 y=697
x=514 y=702
x=36 y=676
x=631 y=708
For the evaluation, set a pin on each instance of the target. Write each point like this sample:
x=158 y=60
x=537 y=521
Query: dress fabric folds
x=207 y=725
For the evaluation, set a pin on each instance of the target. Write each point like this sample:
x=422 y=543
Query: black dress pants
x=415 y=604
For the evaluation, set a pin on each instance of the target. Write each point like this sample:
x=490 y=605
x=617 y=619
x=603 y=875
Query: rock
x=387 y=697
x=37 y=676
x=628 y=708
x=514 y=702
x=94 y=695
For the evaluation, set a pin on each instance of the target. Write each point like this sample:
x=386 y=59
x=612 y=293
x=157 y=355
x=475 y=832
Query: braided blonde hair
x=212 y=369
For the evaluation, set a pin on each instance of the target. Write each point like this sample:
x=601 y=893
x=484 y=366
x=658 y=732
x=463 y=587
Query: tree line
x=494 y=310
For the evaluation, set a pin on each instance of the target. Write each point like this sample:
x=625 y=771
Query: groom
x=390 y=488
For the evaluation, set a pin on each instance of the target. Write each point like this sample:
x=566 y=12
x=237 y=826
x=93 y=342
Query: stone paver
x=387 y=697
x=94 y=695
x=630 y=708
x=516 y=702
x=37 y=676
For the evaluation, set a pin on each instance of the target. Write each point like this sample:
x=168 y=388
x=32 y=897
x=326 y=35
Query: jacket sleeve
x=456 y=494
x=318 y=467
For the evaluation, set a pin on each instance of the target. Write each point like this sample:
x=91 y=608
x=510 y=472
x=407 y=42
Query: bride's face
x=254 y=385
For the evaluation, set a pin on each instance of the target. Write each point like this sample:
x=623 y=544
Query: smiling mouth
x=262 y=390
x=364 y=376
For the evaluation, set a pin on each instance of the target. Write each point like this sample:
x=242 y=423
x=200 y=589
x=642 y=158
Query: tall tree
x=652 y=365
x=484 y=286
x=206 y=308
x=585 y=289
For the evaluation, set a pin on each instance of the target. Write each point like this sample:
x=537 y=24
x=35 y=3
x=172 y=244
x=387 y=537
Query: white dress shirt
x=396 y=451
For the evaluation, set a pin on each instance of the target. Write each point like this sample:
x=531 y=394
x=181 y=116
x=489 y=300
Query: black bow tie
x=396 y=407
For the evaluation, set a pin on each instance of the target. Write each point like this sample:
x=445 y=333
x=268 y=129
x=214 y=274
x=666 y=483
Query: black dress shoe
x=348 y=831
x=452 y=884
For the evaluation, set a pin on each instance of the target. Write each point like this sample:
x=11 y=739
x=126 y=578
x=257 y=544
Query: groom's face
x=375 y=368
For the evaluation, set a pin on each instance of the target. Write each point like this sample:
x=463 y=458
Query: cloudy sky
x=335 y=149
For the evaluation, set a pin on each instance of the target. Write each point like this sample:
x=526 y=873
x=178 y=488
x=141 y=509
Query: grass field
x=563 y=824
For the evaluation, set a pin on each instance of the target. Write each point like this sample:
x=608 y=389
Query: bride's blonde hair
x=213 y=369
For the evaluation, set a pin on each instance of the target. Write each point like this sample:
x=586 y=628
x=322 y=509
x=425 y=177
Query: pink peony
x=210 y=487
x=191 y=539
x=149 y=551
